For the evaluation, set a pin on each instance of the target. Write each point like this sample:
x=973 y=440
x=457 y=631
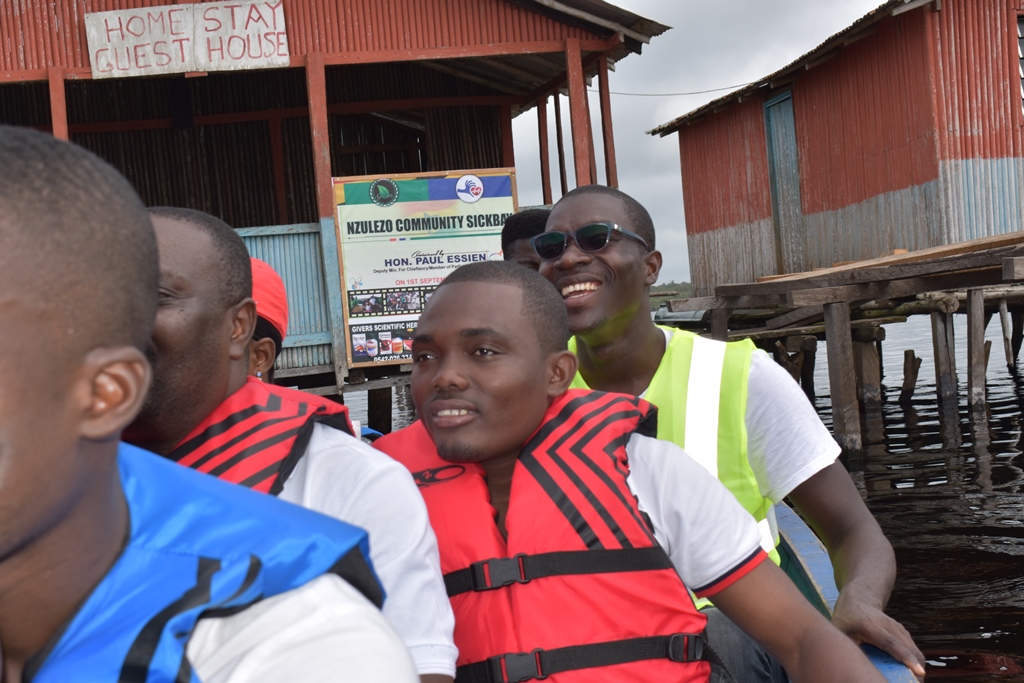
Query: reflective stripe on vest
x=712 y=429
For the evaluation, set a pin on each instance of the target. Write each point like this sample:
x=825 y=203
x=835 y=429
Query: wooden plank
x=1013 y=268
x=378 y=409
x=841 y=376
x=1005 y=325
x=869 y=377
x=545 y=160
x=709 y=303
x=578 y=111
x=611 y=170
x=316 y=87
x=58 y=103
x=560 y=145
x=764 y=333
x=1009 y=239
x=992 y=258
x=943 y=348
x=797 y=316
x=894 y=289
x=975 y=348
x=911 y=369
x=277 y=161
x=720 y=324
x=483 y=50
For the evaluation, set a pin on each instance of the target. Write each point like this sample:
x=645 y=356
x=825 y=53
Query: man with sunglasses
x=750 y=424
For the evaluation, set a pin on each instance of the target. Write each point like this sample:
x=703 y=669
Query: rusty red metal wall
x=865 y=119
x=724 y=165
x=978 y=79
x=35 y=35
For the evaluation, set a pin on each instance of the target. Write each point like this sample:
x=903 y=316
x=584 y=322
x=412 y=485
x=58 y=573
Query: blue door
x=784 y=174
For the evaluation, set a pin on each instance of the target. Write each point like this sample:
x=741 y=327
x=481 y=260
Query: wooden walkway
x=847 y=304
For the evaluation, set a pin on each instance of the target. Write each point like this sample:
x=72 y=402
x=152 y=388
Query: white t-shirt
x=710 y=538
x=343 y=477
x=324 y=631
x=787 y=443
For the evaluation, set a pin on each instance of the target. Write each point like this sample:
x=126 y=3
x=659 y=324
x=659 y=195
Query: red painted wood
x=317 y=89
x=611 y=171
x=508 y=153
x=58 y=104
x=545 y=161
x=578 y=112
x=280 y=186
x=560 y=144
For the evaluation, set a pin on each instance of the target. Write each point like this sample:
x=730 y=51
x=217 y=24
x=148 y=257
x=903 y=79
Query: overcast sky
x=712 y=44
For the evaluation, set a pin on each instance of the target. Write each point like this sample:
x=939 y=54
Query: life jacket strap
x=504 y=571
x=539 y=664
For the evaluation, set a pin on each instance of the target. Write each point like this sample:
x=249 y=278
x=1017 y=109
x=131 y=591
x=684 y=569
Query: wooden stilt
x=1004 y=322
x=866 y=342
x=792 y=363
x=976 y=348
x=911 y=368
x=1017 y=336
x=842 y=378
x=720 y=324
x=545 y=162
x=560 y=145
x=945 y=361
x=378 y=409
x=807 y=345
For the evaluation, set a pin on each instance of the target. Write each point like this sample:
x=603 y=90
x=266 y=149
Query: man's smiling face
x=599 y=287
x=480 y=378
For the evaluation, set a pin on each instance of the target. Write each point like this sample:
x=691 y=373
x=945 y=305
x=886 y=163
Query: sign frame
x=401 y=322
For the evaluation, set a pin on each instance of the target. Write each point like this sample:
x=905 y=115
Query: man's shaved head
x=542 y=304
x=76 y=235
x=234 y=268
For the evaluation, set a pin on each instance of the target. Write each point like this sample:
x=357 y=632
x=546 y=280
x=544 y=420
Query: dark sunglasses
x=589 y=238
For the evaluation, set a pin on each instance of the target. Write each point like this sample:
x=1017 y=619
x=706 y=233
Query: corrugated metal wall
x=912 y=136
x=726 y=197
x=34 y=35
x=979 y=118
x=295 y=253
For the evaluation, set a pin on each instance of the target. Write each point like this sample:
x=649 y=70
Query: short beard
x=460 y=453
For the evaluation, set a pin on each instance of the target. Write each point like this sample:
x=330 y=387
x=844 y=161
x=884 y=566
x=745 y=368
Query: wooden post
x=578 y=111
x=58 y=103
x=720 y=324
x=560 y=144
x=841 y=377
x=1004 y=321
x=807 y=345
x=316 y=87
x=976 y=347
x=611 y=171
x=792 y=363
x=277 y=159
x=590 y=139
x=865 y=361
x=945 y=362
x=545 y=161
x=378 y=409
x=508 y=150
x=911 y=368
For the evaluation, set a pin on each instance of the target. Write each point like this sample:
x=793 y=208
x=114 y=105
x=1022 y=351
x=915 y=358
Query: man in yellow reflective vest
x=727 y=404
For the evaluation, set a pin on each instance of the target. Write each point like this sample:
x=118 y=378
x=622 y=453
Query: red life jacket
x=258 y=434
x=581 y=579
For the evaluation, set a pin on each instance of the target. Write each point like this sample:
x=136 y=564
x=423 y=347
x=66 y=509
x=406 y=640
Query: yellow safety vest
x=712 y=430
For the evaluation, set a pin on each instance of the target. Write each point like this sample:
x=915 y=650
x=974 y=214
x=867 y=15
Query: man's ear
x=562 y=368
x=112 y=383
x=262 y=355
x=652 y=262
x=243 y=325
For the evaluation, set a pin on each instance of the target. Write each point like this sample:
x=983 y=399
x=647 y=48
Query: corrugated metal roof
x=788 y=73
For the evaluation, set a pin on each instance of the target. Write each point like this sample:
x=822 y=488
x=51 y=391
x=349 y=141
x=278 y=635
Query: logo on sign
x=383 y=192
x=469 y=189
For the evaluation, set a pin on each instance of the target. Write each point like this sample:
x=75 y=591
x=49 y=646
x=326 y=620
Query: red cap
x=268 y=292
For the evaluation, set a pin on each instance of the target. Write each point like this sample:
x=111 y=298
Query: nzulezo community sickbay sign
x=217 y=36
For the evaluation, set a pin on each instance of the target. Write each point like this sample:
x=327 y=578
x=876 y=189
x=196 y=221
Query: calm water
x=949 y=492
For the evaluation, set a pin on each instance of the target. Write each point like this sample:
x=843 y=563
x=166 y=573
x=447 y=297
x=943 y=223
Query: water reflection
x=946 y=484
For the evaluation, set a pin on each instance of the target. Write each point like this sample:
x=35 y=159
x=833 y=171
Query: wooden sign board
x=216 y=36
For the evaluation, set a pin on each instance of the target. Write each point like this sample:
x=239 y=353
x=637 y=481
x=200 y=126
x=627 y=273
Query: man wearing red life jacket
x=207 y=413
x=568 y=538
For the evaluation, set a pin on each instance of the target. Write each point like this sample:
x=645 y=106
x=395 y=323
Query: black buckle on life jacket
x=685 y=647
x=518 y=666
x=500 y=571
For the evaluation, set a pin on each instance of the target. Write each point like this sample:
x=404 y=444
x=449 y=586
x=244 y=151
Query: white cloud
x=714 y=43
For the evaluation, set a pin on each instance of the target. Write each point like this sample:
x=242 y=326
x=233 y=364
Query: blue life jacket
x=197 y=547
